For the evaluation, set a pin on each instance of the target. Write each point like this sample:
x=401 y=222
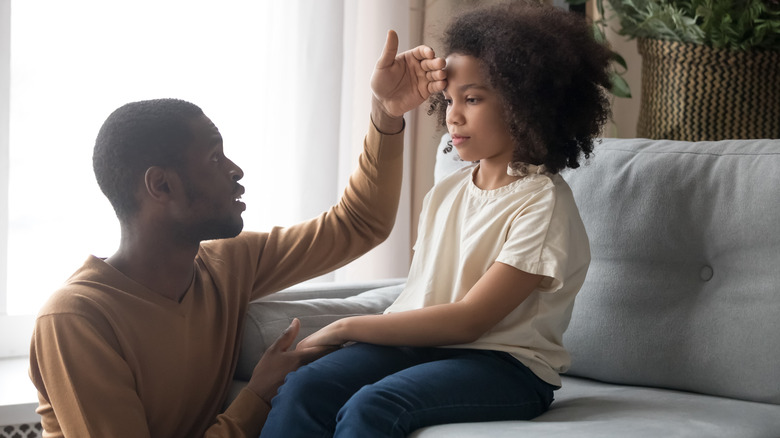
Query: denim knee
x=295 y=384
x=374 y=411
x=301 y=407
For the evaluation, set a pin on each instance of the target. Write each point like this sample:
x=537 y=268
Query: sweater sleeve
x=79 y=372
x=243 y=418
x=77 y=367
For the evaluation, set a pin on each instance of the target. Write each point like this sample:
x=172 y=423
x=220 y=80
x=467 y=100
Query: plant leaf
x=620 y=60
x=619 y=87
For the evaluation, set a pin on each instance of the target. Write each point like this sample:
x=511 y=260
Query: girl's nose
x=454 y=116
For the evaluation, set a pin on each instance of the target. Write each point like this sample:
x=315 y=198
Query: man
x=145 y=342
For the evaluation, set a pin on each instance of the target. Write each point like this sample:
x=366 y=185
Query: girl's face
x=475 y=117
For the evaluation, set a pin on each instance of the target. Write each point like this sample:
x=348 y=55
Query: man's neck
x=159 y=265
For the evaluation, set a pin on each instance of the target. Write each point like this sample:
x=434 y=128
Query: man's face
x=211 y=207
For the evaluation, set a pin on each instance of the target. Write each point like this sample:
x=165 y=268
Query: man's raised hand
x=401 y=82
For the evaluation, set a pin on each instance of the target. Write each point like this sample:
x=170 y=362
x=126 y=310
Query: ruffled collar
x=525 y=169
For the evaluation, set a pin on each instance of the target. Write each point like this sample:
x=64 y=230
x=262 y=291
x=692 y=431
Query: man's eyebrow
x=215 y=141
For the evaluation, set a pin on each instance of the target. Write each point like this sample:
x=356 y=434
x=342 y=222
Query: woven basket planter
x=693 y=92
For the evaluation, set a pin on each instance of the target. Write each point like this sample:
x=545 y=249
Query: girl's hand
x=327 y=336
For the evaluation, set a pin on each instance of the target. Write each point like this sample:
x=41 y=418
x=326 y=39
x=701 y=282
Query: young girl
x=476 y=335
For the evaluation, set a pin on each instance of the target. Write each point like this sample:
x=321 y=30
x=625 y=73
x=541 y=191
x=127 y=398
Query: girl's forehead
x=464 y=67
x=456 y=61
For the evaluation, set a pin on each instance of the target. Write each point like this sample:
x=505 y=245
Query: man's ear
x=157 y=183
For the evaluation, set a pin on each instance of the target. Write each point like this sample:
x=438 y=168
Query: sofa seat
x=583 y=408
x=586 y=408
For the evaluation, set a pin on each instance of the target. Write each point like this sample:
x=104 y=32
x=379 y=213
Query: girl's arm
x=500 y=290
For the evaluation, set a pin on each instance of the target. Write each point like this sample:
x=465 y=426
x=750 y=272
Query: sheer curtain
x=286 y=83
x=332 y=104
x=365 y=31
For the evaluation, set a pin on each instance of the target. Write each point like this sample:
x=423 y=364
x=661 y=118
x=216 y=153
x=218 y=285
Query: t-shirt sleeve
x=538 y=239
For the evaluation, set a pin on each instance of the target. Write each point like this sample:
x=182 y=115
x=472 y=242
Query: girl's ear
x=157 y=183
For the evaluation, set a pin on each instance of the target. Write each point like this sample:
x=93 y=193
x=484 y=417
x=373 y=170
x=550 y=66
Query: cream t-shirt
x=532 y=224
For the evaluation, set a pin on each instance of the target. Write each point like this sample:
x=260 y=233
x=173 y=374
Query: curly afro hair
x=549 y=71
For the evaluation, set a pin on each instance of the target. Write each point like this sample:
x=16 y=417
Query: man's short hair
x=135 y=137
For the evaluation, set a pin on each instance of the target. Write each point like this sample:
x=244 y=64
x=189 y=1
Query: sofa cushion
x=683 y=291
x=588 y=409
x=266 y=319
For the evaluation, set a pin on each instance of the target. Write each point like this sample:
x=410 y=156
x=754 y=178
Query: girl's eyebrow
x=465 y=87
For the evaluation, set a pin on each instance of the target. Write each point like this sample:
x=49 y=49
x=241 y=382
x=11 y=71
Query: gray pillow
x=683 y=290
x=266 y=320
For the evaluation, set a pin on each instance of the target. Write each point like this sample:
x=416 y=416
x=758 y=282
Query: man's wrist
x=261 y=393
x=384 y=122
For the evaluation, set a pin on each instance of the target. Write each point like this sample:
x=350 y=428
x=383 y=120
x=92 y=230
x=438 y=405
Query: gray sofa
x=676 y=331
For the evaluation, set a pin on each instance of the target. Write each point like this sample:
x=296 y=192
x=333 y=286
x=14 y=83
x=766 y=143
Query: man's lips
x=237 y=197
x=457 y=140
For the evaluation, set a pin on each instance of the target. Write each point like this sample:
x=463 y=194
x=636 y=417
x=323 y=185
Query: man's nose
x=235 y=172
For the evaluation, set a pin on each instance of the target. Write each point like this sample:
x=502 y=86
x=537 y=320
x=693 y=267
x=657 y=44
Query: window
x=72 y=63
x=95 y=56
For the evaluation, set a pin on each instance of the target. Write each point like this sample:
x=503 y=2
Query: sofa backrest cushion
x=683 y=290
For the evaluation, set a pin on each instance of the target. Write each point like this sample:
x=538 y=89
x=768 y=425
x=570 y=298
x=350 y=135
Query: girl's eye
x=472 y=99
x=448 y=101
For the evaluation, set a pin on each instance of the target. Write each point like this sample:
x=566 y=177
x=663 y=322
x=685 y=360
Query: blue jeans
x=373 y=391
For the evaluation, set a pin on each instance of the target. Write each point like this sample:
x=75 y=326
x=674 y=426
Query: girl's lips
x=457 y=140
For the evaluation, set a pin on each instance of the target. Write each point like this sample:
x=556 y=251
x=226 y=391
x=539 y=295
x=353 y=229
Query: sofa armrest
x=315 y=306
x=307 y=291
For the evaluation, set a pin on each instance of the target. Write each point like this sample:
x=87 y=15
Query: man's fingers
x=422 y=53
x=389 y=51
x=437 y=81
x=285 y=340
x=438 y=75
x=435 y=87
x=433 y=64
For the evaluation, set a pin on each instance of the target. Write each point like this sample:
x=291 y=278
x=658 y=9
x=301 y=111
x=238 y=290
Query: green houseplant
x=727 y=24
x=711 y=68
x=619 y=87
